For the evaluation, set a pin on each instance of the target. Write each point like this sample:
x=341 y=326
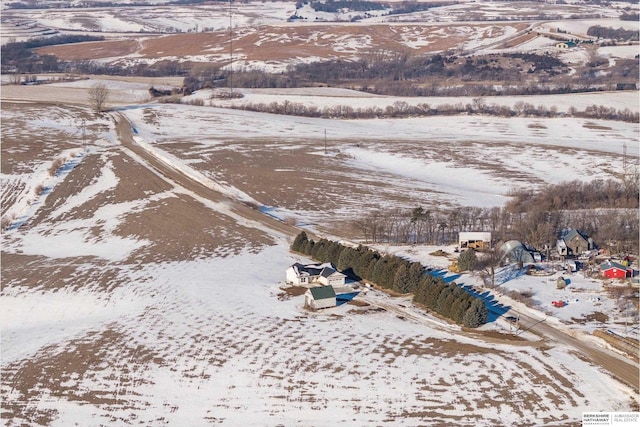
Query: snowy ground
x=187 y=350
x=129 y=298
x=126 y=327
x=584 y=295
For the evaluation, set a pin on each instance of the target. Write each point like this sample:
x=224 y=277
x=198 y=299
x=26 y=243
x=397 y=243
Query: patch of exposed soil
x=42 y=273
x=91 y=50
x=107 y=360
x=289 y=292
x=21 y=148
x=593 y=317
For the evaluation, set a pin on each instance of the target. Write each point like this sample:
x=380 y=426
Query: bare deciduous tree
x=98 y=96
x=487 y=264
x=15 y=79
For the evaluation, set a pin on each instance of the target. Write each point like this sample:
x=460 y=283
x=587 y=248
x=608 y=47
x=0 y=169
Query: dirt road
x=623 y=370
x=249 y=213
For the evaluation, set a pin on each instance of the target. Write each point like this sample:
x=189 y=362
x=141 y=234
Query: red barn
x=613 y=270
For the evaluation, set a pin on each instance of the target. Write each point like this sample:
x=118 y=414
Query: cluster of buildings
x=325 y=284
x=570 y=248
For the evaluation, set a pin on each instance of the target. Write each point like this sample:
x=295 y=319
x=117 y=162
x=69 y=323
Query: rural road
x=621 y=369
x=174 y=175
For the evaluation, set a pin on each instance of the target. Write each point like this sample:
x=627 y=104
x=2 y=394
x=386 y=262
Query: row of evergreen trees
x=399 y=275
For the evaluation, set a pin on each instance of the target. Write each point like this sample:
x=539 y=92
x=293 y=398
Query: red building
x=613 y=270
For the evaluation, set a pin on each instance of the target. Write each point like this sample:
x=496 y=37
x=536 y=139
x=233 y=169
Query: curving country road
x=623 y=370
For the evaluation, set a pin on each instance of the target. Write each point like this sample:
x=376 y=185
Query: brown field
x=288 y=43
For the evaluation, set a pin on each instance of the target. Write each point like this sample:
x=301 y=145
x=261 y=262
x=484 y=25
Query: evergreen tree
x=442 y=297
x=401 y=279
x=387 y=273
x=416 y=270
x=476 y=315
x=300 y=242
x=447 y=306
x=467 y=260
x=460 y=307
x=308 y=247
x=345 y=259
x=432 y=295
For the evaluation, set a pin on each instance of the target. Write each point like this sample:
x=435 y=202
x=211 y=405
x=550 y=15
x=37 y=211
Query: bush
x=55 y=166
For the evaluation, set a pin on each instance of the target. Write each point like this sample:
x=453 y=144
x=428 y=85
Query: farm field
x=144 y=249
x=180 y=315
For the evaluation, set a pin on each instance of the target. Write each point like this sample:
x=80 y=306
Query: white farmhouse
x=314 y=274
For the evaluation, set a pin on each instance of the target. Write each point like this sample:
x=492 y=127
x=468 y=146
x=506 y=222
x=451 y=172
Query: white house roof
x=484 y=236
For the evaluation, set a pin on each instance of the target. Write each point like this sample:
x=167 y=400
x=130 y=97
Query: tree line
x=606 y=210
x=399 y=275
x=619 y=34
x=402 y=109
x=21 y=56
x=401 y=74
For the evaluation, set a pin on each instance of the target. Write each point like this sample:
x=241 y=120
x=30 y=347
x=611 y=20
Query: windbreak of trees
x=619 y=34
x=333 y=6
x=399 y=275
x=402 y=109
x=106 y=3
x=399 y=73
x=21 y=56
x=574 y=195
x=630 y=17
x=607 y=211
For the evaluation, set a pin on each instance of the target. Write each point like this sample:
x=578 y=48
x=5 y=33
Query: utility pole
x=325 y=141
x=84 y=133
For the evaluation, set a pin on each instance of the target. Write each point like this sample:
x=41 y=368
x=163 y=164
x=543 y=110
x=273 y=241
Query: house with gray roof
x=314 y=275
x=574 y=243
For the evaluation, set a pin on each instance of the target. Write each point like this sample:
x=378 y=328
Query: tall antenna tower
x=230 y=51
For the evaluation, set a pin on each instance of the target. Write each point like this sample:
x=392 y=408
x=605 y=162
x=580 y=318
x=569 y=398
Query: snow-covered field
x=209 y=341
x=136 y=288
x=111 y=336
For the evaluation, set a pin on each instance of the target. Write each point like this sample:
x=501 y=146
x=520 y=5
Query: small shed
x=613 y=270
x=566 y=44
x=474 y=240
x=320 y=297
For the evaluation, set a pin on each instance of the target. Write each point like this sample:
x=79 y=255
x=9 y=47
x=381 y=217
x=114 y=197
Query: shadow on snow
x=345 y=298
x=495 y=308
